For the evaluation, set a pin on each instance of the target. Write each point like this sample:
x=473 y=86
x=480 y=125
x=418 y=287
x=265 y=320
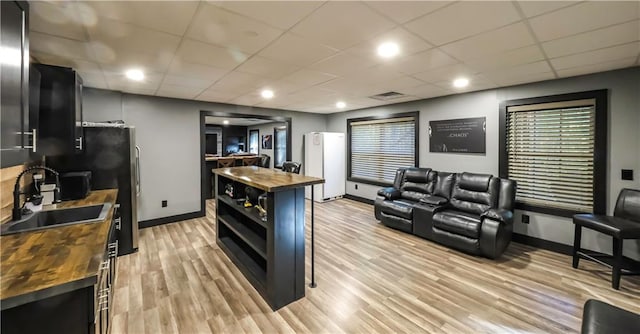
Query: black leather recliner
x=466 y=211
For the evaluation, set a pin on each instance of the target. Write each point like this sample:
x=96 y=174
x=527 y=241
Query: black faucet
x=17 y=211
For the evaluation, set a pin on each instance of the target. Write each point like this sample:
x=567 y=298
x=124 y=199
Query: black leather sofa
x=467 y=211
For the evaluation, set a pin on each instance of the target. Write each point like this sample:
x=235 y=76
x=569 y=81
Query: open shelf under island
x=270 y=253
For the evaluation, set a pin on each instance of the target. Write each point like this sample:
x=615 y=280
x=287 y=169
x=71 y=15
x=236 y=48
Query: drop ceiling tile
x=213 y=95
x=597 y=39
x=520 y=73
x=408 y=43
x=423 y=61
x=195 y=52
x=266 y=67
x=93 y=79
x=306 y=77
x=493 y=42
x=61 y=47
x=179 y=67
x=342 y=63
x=296 y=50
x=404 y=11
x=240 y=83
x=427 y=90
x=401 y=85
x=463 y=19
x=334 y=24
x=221 y=27
x=447 y=73
x=534 y=8
x=250 y=99
x=600 y=67
x=597 y=56
x=125 y=44
x=525 y=78
x=185 y=81
x=56 y=18
x=171 y=17
x=279 y=14
x=117 y=80
x=525 y=55
x=583 y=17
x=178 y=91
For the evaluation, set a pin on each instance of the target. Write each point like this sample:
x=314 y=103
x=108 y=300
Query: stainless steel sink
x=57 y=217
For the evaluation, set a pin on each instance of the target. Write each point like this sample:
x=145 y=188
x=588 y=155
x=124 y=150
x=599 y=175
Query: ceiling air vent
x=387 y=96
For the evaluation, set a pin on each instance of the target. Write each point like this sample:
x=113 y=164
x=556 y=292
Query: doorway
x=236 y=136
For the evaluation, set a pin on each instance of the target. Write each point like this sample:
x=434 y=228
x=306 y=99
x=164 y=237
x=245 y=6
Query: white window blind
x=380 y=147
x=551 y=154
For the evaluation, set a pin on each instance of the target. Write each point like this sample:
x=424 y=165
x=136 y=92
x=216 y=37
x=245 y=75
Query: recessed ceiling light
x=340 y=104
x=225 y=122
x=461 y=82
x=388 y=49
x=267 y=93
x=135 y=75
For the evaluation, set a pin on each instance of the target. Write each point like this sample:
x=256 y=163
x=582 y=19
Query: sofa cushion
x=458 y=222
x=400 y=208
x=475 y=193
x=444 y=184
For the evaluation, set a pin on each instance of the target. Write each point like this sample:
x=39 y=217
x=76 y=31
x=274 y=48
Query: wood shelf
x=258 y=243
x=245 y=263
x=251 y=213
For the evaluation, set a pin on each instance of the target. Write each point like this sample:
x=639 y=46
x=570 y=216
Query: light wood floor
x=370 y=279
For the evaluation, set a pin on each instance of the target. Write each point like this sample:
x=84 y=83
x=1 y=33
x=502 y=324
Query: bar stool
x=252 y=161
x=624 y=224
x=291 y=167
x=226 y=162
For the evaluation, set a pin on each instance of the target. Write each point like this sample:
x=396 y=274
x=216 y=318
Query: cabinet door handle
x=104 y=265
x=79 y=140
x=118 y=223
x=34 y=143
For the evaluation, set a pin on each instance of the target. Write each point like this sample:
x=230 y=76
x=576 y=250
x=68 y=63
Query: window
x=379 y=146
x=254 y=141
x=280 y=135
x=555 y=149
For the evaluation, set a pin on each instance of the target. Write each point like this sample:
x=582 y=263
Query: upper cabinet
x=60 y=112
x=16 y=137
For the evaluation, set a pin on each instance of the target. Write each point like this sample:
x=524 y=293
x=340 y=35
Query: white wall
x=266 y=129
x=168 y=133
x=623 y=139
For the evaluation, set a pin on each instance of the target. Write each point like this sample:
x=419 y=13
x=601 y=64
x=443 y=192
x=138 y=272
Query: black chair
x=291 y=167
x=601 y=318
x=265 y=161
x=624 y=224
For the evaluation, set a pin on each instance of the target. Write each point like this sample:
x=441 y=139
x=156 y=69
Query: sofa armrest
x=500 y=215
x=389 y=193
x=433 y=200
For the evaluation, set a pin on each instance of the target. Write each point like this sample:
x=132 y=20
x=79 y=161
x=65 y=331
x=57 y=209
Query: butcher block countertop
x=269 y=180
x=40 y=264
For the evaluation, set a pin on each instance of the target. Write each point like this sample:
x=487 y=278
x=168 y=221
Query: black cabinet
x=234 y=139
x=60 y=115
x=14 y=86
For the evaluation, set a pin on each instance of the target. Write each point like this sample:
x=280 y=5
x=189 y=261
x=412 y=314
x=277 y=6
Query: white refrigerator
x=325 y=157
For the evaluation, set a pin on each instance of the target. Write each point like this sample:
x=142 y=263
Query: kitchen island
x=69 y=267
x=270 y=251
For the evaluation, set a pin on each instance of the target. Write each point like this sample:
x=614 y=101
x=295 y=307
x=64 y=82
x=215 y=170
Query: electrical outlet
x=164 y=203
x=356 y=187
x=525 y=219
x=627 y=174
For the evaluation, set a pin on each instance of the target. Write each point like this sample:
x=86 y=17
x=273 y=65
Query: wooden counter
x=39 y=264
x=269 y=180
x=269 y=252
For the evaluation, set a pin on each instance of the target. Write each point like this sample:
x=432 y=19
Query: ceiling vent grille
x=387 y=96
